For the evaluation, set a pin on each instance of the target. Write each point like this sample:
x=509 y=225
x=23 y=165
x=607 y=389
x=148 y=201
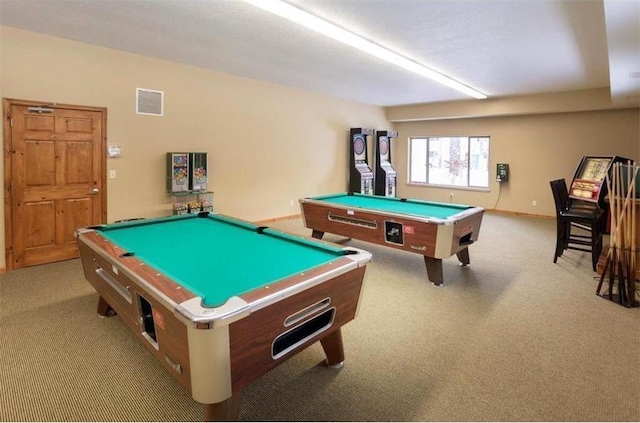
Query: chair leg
x=560 y=240
x=596 y=244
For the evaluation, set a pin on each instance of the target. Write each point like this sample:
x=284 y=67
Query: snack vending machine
x=198 y=171
x=177 y=172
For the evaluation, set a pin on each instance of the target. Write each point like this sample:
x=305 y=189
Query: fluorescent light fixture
x=287 y=11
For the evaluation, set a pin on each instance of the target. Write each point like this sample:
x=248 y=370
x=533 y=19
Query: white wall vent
x=149 y=102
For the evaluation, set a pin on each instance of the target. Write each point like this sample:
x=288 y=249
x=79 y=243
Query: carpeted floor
x=513 y=337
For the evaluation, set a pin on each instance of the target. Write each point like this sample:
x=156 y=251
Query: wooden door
x=54 y=179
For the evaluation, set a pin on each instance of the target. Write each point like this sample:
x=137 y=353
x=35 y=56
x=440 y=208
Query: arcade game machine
x=385 y=183
x=360 y=174
x=589 y=186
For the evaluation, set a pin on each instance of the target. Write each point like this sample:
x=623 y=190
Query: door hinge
x=11 y=121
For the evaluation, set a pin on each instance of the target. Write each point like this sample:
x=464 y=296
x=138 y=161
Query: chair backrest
x=560 y=195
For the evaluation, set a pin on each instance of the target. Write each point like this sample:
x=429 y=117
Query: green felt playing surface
x=216 y=257
x=395 y=205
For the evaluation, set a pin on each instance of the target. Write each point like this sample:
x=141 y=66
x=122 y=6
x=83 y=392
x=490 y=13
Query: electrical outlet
x=290 y=203
x=451 y=197
x=112 y=174
x=534 y=203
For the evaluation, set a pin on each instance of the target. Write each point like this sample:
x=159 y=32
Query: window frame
x=467 y=186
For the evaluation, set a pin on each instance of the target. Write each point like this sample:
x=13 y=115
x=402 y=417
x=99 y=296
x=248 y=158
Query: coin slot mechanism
x=393 y=233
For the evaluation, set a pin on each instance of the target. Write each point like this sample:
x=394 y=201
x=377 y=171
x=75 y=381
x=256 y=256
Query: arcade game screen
x=595 y=169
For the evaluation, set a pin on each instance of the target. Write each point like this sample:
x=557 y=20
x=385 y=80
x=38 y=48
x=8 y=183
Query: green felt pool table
x=220 y=301
x=434 y=230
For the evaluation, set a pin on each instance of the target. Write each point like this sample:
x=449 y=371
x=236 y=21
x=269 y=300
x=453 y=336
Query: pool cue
x=615 y=267
x=634 y=229
x=614 y=233
x=619 y=229
x=624 y=266
x=624 y=240
x=618 y=243
x=608 y=258
x=624 y=285
x=631 y=282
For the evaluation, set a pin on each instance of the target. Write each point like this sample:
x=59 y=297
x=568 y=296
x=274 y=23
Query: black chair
x=579 y=227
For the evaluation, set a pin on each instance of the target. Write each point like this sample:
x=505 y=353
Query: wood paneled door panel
x=55 y=179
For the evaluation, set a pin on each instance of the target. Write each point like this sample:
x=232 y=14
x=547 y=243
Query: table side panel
x=422 y=241
x=251 y=338
x=429 y=238
x=128 y=311
x=171 y=333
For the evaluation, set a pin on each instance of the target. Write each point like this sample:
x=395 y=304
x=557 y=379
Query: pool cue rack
x=360 y=174
x=385 y=174
x=621 y=268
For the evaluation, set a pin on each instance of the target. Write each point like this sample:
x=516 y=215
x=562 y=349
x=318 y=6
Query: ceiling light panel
x=328 y=29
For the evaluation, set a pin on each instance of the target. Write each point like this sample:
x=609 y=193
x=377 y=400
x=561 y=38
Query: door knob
x=95 y=191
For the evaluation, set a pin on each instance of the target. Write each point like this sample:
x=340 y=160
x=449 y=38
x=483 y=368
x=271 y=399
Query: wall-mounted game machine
x=360 y=174
x=589 y=185
x=385 y=174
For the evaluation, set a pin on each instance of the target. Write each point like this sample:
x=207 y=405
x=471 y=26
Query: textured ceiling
x=499 y=47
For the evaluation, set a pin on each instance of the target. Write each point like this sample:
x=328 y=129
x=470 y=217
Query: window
x=450 y=161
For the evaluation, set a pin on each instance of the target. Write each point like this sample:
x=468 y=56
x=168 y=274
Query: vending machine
x=385 y=174
x=360 y=174
x=198 y=171
x=177 y=172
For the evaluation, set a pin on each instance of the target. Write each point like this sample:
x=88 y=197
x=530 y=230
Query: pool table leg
x=104 y=309
x=333 y=348
x=434 y=270
x=317 y=234
x=463 y=256
x=227 y=410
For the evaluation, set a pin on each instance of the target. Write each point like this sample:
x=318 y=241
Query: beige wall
x=267 y=144
x=537 y=147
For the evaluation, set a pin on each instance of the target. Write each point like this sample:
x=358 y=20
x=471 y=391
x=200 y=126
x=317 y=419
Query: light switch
x=112 y=174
